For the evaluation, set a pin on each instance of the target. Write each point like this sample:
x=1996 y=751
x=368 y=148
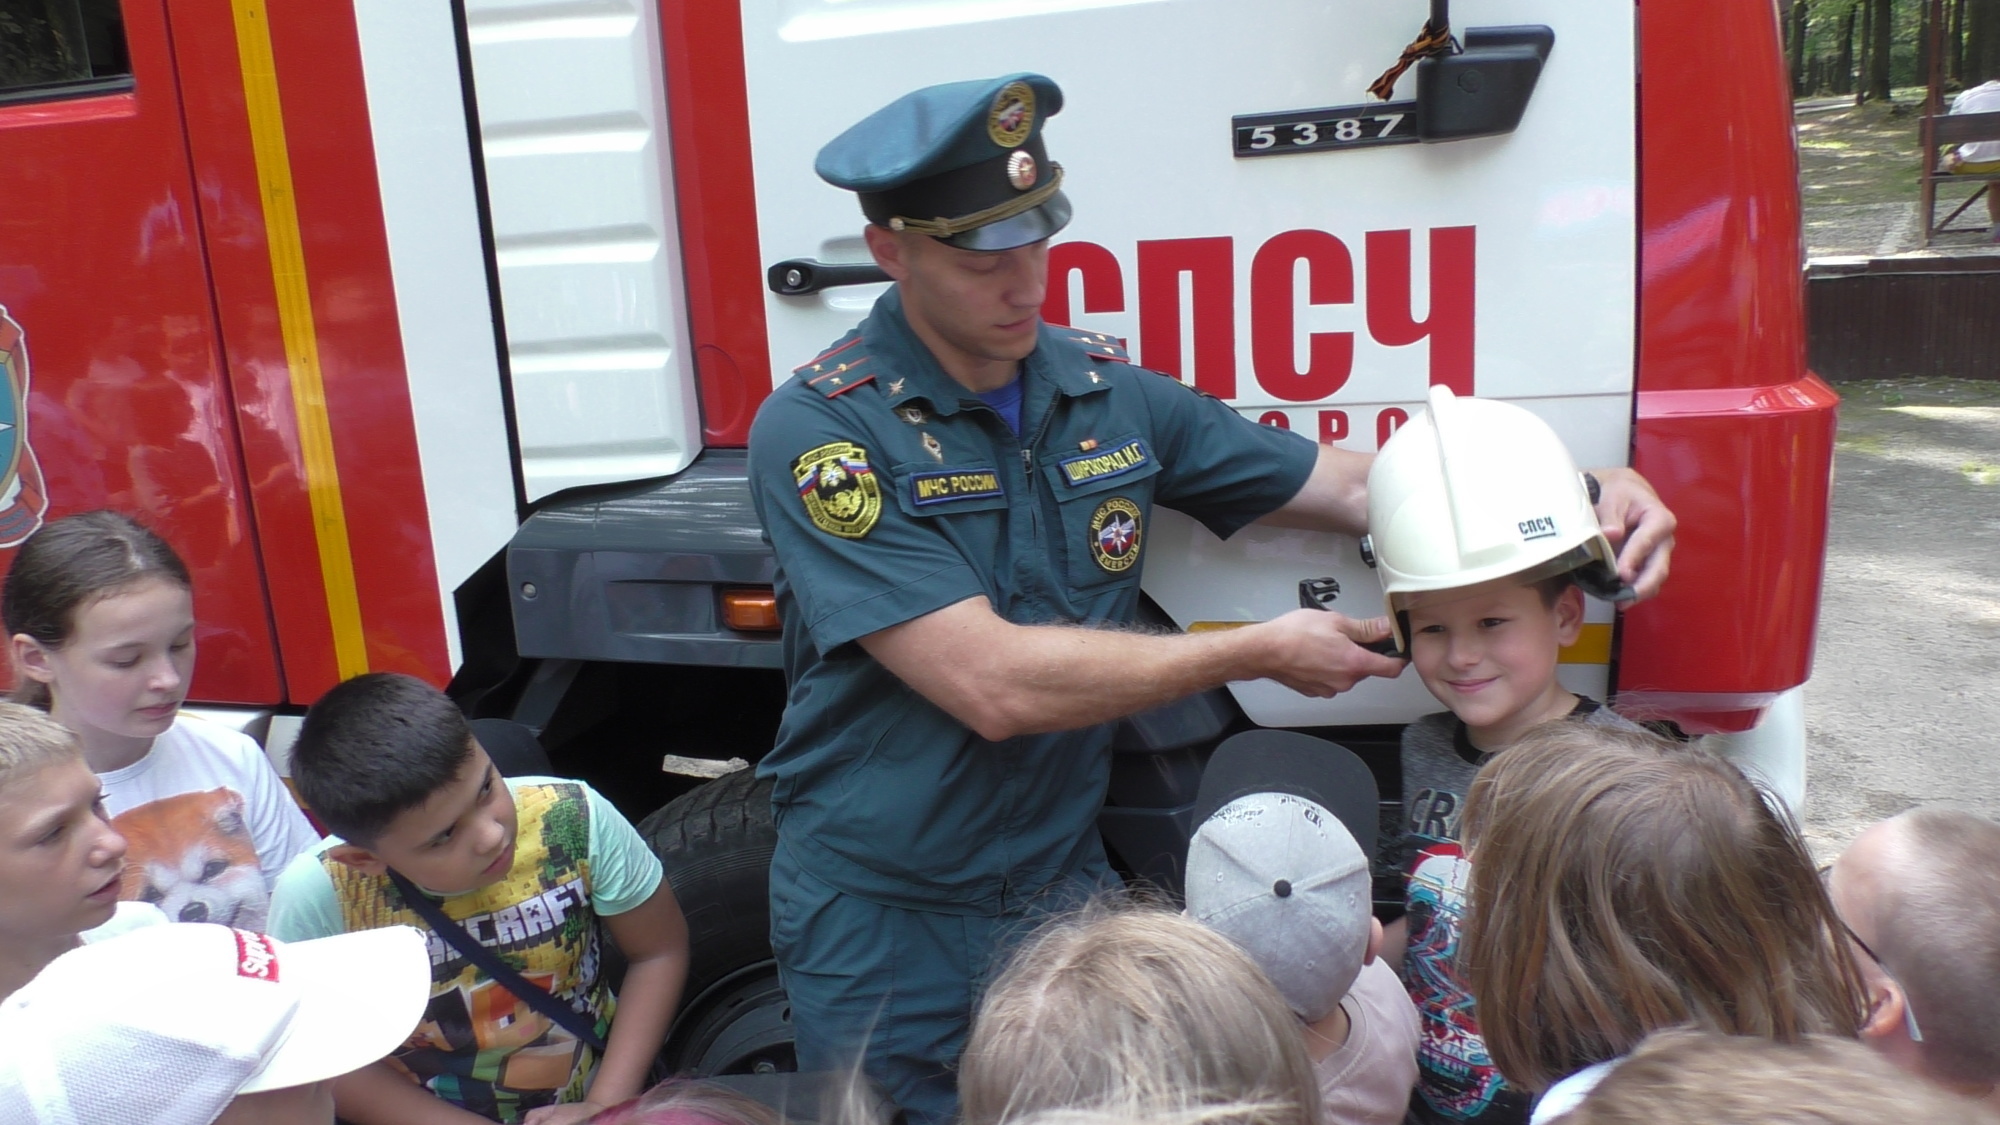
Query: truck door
x=108 y=335
x=1317 y=275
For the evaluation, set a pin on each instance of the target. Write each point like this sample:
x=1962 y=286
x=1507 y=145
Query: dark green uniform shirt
x=889 y=491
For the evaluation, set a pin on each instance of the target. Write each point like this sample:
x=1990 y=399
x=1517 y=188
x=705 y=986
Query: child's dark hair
x=71 y=563
x=375 y=747
x=1552 y=589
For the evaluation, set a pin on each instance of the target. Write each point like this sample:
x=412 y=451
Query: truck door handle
x=798 y=277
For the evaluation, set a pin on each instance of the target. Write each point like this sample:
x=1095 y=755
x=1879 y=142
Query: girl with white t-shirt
x=101 y=615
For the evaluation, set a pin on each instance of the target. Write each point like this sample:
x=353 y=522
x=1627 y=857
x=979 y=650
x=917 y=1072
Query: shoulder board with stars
x=839 y=369
x=1097 y=345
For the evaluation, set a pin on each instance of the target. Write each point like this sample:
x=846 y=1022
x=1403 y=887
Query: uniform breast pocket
x=1106 y=498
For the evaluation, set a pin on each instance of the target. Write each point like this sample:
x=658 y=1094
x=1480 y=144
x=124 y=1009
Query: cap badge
x=1114 y=535
x=1012 y=117
x=1021 y=170
x=910 y=414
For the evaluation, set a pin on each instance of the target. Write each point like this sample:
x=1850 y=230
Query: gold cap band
x=946 y=228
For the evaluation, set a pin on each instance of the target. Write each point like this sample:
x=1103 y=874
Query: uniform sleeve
x=624 y=872
x=1218 y=466
x=878 y=570
x=303 y=905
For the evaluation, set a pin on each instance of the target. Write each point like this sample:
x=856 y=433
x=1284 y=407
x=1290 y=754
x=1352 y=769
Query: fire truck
x=430 y=332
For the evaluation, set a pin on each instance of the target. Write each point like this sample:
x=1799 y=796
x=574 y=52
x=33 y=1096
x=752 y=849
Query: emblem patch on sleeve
x=841 y=494
x=1114 y=535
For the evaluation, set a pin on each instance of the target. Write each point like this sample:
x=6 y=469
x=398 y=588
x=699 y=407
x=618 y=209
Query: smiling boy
x=1486 y=541
x=525 y=867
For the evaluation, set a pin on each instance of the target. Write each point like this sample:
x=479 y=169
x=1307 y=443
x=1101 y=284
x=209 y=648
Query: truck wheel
x=715 y=843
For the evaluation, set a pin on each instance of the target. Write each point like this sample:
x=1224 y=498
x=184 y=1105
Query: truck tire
x=715 y=843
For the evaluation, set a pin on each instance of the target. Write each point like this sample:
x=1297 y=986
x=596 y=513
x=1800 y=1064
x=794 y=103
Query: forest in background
x=1867 y=48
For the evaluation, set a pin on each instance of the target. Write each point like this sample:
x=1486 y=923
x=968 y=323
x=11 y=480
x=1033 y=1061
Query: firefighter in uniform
x=960 y=498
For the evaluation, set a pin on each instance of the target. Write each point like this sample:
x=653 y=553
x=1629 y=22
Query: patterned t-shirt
x=478 y=1046
x=1456 y=1079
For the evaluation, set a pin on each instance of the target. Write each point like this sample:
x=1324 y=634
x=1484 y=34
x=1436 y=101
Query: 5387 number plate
x=1318 y=130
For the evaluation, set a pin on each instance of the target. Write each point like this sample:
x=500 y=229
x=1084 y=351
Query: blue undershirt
x=1007 y=401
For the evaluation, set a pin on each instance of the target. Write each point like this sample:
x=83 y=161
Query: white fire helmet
x=1475 y=491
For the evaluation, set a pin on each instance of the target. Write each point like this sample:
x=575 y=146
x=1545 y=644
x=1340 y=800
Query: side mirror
x=1484 y=89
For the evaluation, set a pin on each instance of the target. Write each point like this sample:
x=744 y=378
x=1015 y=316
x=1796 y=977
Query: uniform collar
x=888 y=334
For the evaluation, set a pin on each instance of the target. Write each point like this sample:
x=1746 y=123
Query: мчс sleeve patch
x=839 y=489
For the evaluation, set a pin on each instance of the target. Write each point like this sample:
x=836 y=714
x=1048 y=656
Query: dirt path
x=1904 y=704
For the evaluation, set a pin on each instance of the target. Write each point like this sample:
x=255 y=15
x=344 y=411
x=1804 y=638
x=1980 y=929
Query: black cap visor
x=1024 y=229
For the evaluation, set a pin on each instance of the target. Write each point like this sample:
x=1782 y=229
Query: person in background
x=101 y=615
x=1622 y=884
x=1920 y=896
x=1275 y=867
x=201 y=1024
x=1979 y=156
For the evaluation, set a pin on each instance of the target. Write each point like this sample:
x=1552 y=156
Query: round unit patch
x=1114 y=534
x=841 y=494
x=1012 y=117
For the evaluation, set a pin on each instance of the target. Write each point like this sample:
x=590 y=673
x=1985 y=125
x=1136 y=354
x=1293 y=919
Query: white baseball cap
x=165 y=1025
x=1275 y=867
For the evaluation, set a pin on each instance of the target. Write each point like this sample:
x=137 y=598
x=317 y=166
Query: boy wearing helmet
x=1485 y=550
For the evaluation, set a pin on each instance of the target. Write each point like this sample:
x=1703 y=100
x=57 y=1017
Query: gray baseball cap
x=1275 y=865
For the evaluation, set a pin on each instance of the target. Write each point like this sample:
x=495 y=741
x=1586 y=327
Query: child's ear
x=1569 y=616
x=359 y=858
x=31 y=660
x=1886 y=1008
x=1374 y=941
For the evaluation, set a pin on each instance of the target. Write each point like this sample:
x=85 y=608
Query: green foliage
x=36 y=46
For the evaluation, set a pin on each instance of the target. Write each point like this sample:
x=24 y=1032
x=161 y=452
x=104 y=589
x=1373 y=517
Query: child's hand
x=570 y=1114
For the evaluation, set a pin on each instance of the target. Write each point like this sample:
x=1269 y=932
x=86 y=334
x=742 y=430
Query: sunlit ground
x=1858 y=177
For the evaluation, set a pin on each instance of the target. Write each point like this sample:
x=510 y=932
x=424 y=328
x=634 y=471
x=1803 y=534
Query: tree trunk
x=1924 y=41
x=1864 y=47
x=1881 y=27
x=1798 y=48
x=1954 y=41
x=1843 y=65
x=1982 y=41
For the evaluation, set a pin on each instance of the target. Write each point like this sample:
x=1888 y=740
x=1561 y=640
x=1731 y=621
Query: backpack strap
x=525 y=990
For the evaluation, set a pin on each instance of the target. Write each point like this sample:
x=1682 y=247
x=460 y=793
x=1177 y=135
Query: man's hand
x=1638 y=525
x=1318 y=653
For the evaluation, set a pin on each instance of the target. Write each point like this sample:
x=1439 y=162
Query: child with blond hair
x=1137 y=1012
x=60 y=859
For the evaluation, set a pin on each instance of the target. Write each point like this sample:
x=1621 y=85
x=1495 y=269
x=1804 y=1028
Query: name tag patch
x=1095 y=465
x=945 y=485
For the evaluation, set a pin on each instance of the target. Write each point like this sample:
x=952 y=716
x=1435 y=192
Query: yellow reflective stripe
x=295 y=323
x=1593 y=646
